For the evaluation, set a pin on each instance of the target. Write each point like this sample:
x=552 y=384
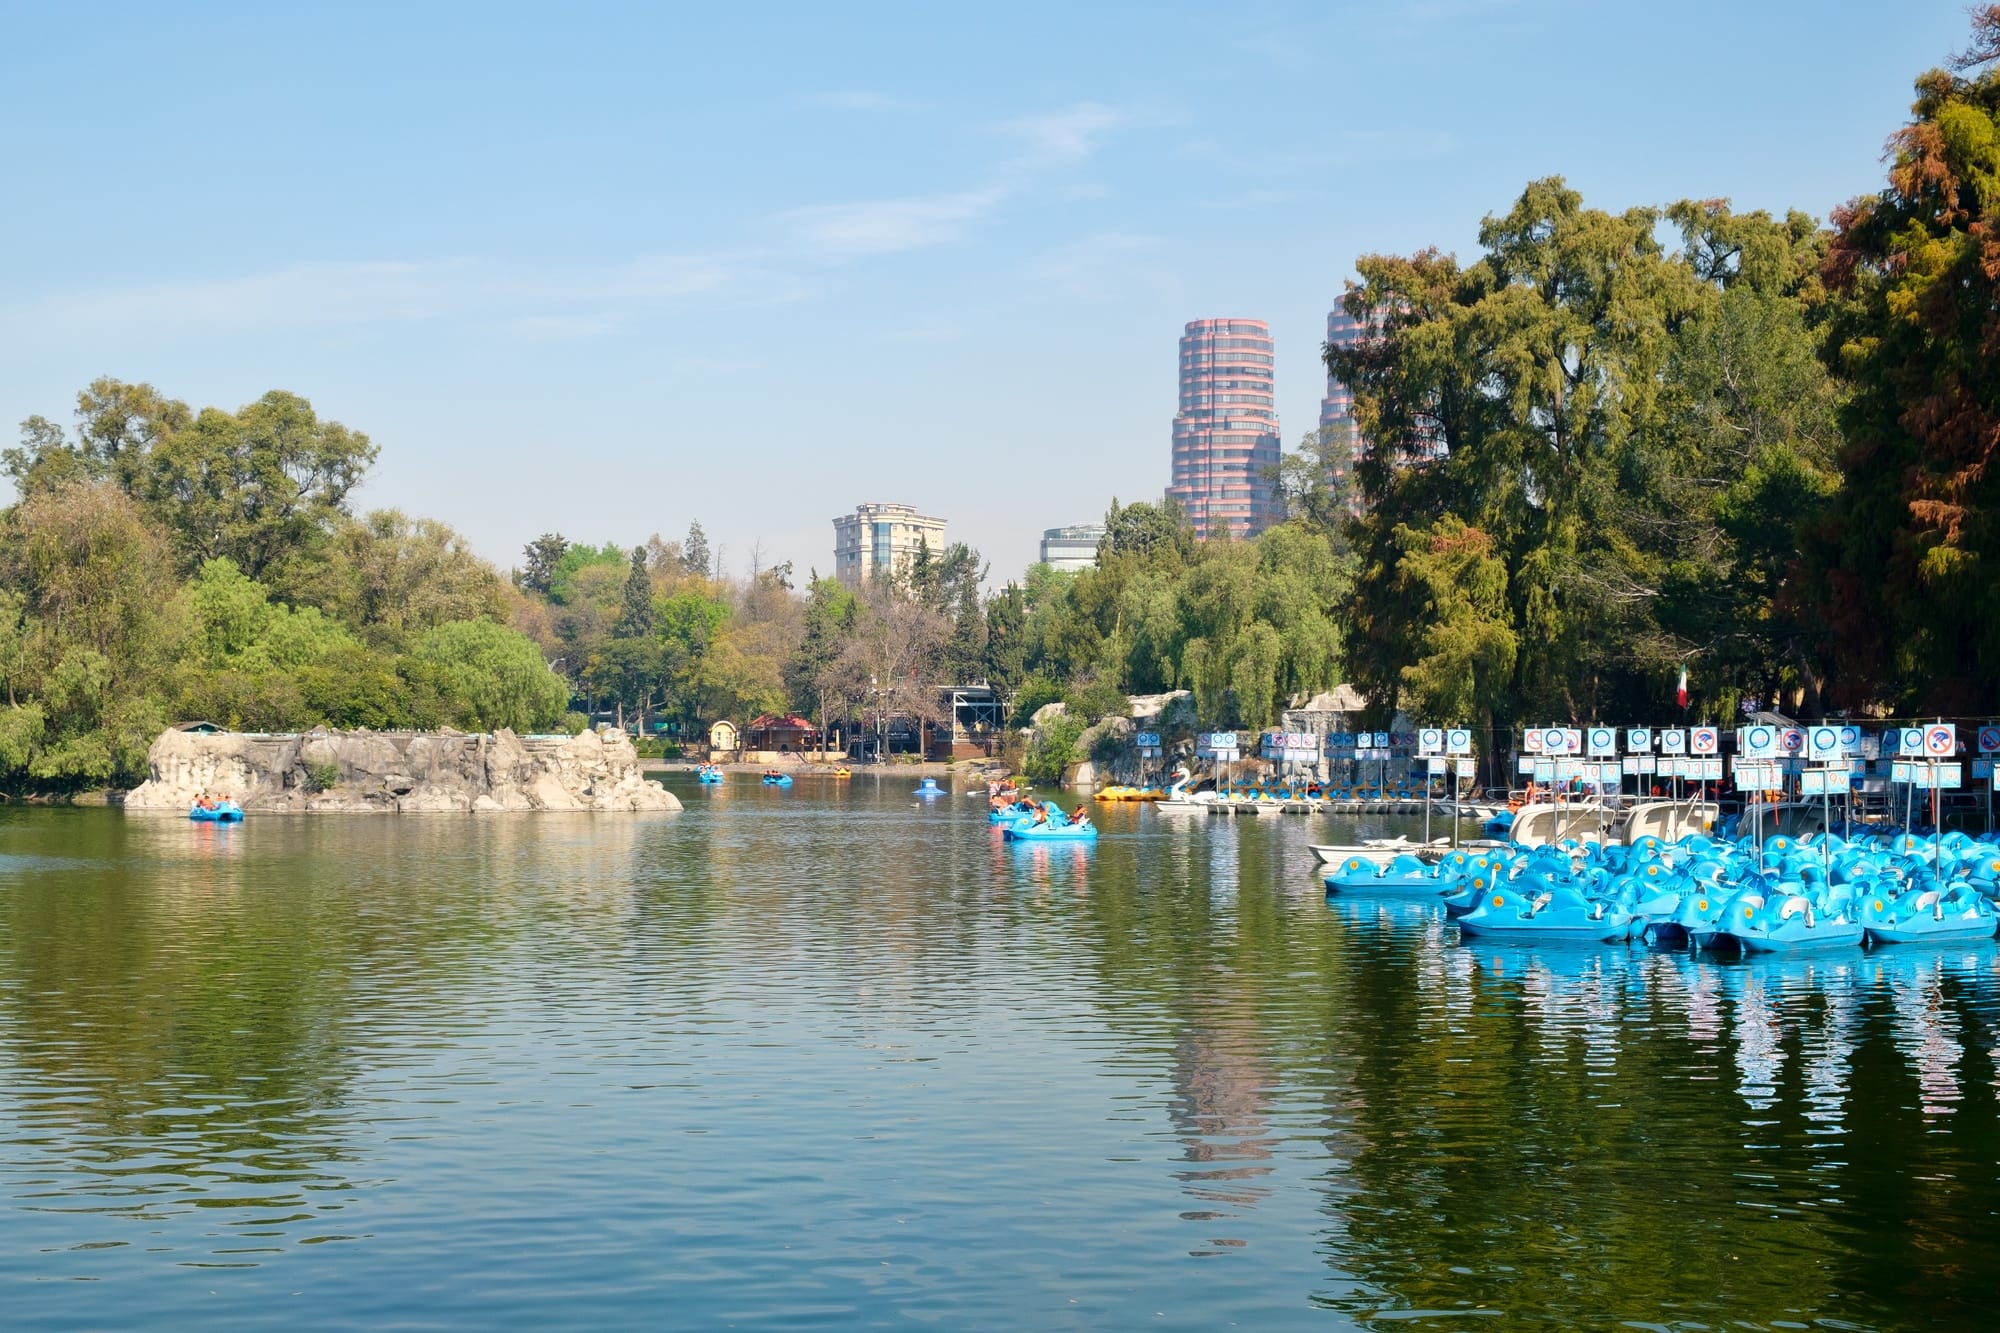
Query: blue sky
x=603 y=270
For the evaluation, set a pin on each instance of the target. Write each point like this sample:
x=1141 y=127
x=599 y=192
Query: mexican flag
x=1681 y=690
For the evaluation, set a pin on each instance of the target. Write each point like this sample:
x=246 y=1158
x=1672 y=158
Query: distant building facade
x=879 y=539
x=1336 y=414
x=1226 y=431
x=1072 y=548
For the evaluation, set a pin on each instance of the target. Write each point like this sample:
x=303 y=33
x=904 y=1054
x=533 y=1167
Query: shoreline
x=927 y=769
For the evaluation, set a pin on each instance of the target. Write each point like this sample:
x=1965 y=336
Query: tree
x=1906 y=559
x=542 y=554
x=829 y=621
x=694 y=551
x=98 y=626
x=1455 y=586
x=119 y=426
x=1640 y=434
x=389 y=576
x=260 y=486
x=496 y=677
x=635 y=613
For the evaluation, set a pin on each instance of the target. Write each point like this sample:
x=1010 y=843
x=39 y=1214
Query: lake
x=835 y=1057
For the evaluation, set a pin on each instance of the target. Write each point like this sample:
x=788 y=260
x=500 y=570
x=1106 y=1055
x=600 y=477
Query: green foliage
x=496 y=675
x=1100 y=699
x=576 y=561
x=543 y=555
x=1054 y=749
x=322 y=776
x=694 y=552
x=573 y=724
x=1036 y=693
x=635 y=615
x=1632 y=437
x=1905 y=562
x=1247 y=626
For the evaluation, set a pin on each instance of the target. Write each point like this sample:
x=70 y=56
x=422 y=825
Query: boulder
x=411 y=772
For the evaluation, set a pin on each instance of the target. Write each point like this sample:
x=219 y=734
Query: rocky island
x=408 y=772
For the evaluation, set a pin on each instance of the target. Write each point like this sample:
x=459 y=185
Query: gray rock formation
x=410 y=772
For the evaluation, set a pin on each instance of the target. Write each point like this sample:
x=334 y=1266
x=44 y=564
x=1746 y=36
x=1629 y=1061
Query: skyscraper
x=1336 y=413
x=1226 y=432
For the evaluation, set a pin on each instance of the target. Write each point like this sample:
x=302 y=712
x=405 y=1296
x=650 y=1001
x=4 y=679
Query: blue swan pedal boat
x=222 y=812
x=1029 y=831
x=777 y=779
x=928 y=788
x=709 y=774
x=1957 y=912
x=1548 y=912
x=1785 y=922
x=1404 y=876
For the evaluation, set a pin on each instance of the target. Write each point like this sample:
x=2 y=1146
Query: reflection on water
x=832 y=1055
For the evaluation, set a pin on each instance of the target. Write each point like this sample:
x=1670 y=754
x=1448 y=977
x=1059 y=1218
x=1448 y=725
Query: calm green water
x=829 y=1057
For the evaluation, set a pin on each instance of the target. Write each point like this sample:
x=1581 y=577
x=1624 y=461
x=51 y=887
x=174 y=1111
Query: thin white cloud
x=1070 y=134
x=567 y=301
x=888 y=226
x=793 y=250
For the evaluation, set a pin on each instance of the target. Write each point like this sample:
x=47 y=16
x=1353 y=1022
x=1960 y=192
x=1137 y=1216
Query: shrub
x=321 y=777
x=1054 y=749
x=1035 y=691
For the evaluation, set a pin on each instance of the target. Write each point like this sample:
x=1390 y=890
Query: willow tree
x=1909 y=561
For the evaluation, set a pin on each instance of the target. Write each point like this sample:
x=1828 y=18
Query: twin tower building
x=1226 y=438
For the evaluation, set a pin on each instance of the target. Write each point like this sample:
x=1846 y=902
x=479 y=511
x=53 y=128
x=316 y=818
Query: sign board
x=1568 y=770
x=1430 y=741
x=1824 y=743
x=1850 y=741
x=1458 y=741
x=1941 y=740
x=1982 y=768
x=1465 y=768
x=1434 y=764
x=1710 y=770
x=1704 y=740
x=1935 y=775
x=1602 y=741
x=1545 y=771
x=1381 y=740
x=1525 y=764
x=1606 y=774
x=1562 y=740
x=1758 y=742
x=1148 y=739
x=1825 y=782
x=1792 y=740
x=1531 y=740
x=1989 y=740
x=1673 y=741
x=1218 y=744
x=1756 y=775
x=1638 y=740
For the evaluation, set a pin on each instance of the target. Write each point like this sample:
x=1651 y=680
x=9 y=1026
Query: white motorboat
x=1379 y=851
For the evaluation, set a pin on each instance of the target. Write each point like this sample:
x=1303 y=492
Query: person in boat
x=205 y=801
x=1041 y=812
x=1080 y=816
